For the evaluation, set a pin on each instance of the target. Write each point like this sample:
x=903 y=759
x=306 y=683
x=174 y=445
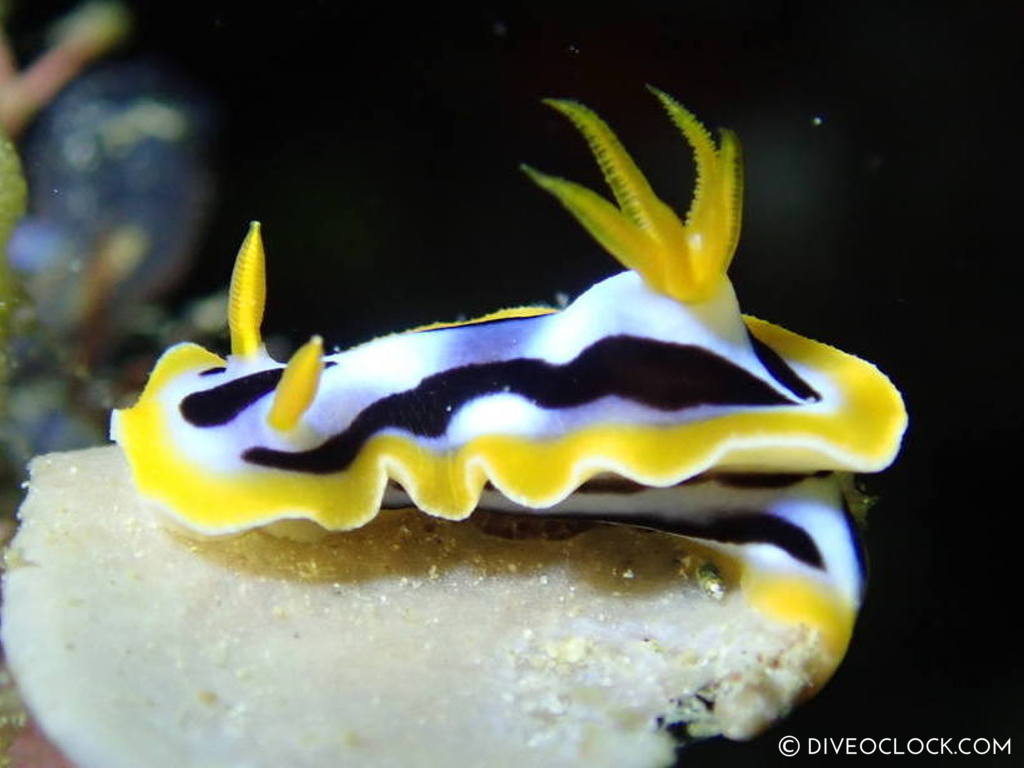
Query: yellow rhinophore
x=298 y=386
x=247 y=295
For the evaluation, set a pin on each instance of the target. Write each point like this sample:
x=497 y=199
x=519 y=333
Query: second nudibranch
x=649 y=400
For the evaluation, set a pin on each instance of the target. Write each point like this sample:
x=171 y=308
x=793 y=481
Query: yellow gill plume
x=685 y=261
x=247 y=295
x=298 y=386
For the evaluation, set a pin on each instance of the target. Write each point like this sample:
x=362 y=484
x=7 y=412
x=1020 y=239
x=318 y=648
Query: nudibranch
x=649 y=400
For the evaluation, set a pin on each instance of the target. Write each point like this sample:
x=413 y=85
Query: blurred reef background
x=380 y=150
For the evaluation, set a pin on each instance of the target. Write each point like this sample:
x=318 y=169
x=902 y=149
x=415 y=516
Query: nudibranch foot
x=793 y=545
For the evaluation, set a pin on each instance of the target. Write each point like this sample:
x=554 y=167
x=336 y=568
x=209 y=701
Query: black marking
x=781 y=372
x=212 y=371
x=728 y=527
x=217 y=406
x=658 y=374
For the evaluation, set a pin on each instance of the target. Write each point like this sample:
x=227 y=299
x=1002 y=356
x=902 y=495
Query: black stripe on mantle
x=219 y=405
x=781 y=371
x=660 y=375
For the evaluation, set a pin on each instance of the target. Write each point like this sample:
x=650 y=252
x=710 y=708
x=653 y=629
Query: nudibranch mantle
x=642 y=401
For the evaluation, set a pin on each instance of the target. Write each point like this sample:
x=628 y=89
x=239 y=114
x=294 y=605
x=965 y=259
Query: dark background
x=380 y=149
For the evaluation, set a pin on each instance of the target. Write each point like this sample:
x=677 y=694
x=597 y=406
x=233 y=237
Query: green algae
x=13 y=193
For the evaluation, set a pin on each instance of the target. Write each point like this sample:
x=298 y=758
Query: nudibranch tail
x=298 y=386
x=247 y=295
x=686 y=261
